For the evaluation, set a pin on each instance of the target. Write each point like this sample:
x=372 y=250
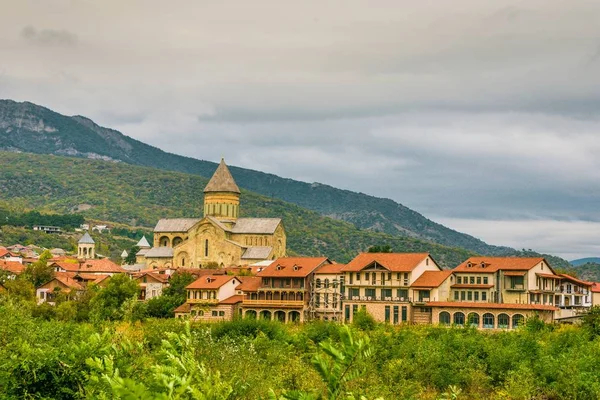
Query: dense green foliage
x=588 y=271
x=10 y=235
x=250 y=359
x=139 y=196
x=31 y=218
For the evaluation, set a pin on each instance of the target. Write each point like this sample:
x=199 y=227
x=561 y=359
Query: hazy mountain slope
x=589 y=271
x=30 y=128
x=581 y=261
x=140 y=196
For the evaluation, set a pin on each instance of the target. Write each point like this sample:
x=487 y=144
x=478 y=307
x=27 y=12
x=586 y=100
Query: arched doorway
x=251 y=314
x=294 y=316
x=280 y=316
x=265 y=314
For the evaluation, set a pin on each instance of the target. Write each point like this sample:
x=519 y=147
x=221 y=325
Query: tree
x=591 y=321
x=385 y=248
x=131 y=256
x=108 y=303
x=20 y=289
x=172 y=297
x=40 y=272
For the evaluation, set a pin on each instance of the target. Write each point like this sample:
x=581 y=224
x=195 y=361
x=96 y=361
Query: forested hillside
x=139 y=196
x=31 y=128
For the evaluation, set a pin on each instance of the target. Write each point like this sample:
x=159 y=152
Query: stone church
x=220 y=238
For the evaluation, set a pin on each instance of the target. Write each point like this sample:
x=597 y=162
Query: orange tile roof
x=549 y=276
x=515 y=273
x=573 y=279
x=493 y=264
x=249 y=283
x=232 y=300
x=395 y=262
x=330 y=269
x=67 y=266
x=104 y=265
x=596 y=287
x=184 y=308
x=431 y=279
x=67 y=280
x=293 y=267
x=5 y=252
x=210 y=282
x=12 y=267
x=493 y=306
x=162 y=278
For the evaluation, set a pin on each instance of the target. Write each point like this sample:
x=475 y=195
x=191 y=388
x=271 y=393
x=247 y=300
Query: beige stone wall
x=595 y=299
x=377 y=310
x=204 y=313
x=546 y=316
x=158 y=262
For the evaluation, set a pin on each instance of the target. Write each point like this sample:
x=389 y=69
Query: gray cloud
x=467 y=111
x=49 y=37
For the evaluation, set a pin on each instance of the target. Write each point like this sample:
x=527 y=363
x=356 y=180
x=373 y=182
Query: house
x=63 y=282
x=327 y=292
x=380 y=283
x=595 y=290
x=12 y=268
x=96 y=267
x=8 y=255
x=573 y=296
x=285 y=289
x=151 y=284
x=211 y=298
x=47 y=229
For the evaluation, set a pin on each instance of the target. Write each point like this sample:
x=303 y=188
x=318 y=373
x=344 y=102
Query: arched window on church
x=206 y=248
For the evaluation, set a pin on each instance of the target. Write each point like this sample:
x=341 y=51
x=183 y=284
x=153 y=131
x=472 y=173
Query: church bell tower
x=222 y=195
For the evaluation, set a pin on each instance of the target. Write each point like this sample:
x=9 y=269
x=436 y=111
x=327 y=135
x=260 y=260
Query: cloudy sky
x=482 y=115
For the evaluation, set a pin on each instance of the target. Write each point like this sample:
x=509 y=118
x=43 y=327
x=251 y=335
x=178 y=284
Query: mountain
x=26 y=127
x=589 y=271
x=139 y=196
x=581 y=261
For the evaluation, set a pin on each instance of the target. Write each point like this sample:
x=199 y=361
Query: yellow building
x=220 y=238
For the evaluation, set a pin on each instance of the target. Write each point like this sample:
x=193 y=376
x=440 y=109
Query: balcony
x=376 y=298
x=274 y=303
x=203 y=301
x=515 y=288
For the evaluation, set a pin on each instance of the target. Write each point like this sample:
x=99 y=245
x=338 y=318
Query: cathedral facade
x=221 y=238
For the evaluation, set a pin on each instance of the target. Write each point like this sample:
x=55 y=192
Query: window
x=516 y=282
x=395 y=315
x=503 y=321
x=485 y=280
x=463 y=295
x=444 y=318
x=145 y=279
x=317 y=300
x=214 y=314
x=472 y=280
x=404 y=313
x=517 y=320
x=354 y=309
x=459 y=318
x=469 y=295
x=488 y=321
x=424 y=295
x=476 y=296
x=398 y=276
x=354 y=292
x=373 y=278
x=402 y=293
x=351 y=279
x=383 y=278
x=206 y=248
x=456 y=295
x=318 y=283
x=387 y=314
x=479 y=280
x=347 y=312
x=370 y=293
x=326 y=283
x=326 y=300
x=459 y=279
x=358 y=276
x=385 y=293
x=221 y=313
x=201 y=313
x=473 y=319
x=427 y=261
x=483 y=296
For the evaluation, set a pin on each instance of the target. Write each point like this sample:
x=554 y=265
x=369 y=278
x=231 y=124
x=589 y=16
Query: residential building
x=211 y=298
x=284 y=290
x=595 y=289
x=327 y=293
x=47 y=229
x=61 y=283
x=151 y=284
x=380 y=283
x=573 y=296
x=12 y=268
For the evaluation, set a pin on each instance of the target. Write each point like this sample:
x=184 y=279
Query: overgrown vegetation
x=254 y=359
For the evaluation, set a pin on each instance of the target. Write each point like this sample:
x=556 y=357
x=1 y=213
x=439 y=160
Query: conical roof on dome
x=222 y=181
x=86 y=239
x=143 y=243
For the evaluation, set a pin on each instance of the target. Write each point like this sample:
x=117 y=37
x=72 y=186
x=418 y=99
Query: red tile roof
x=12 y=267
x=232 y=300
x=431 y=279
x=293 y=267
x=162 y=278
x=210 y=282
x=573 y=279
x=550 y=276
x=493 y=264
x=492 y=306
x=330 y=269
x=395 y=262
x=596 y=287
x=104 y=265
x=67 y=280
x=67 y=266
x=249 y=283
x=184 y=308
